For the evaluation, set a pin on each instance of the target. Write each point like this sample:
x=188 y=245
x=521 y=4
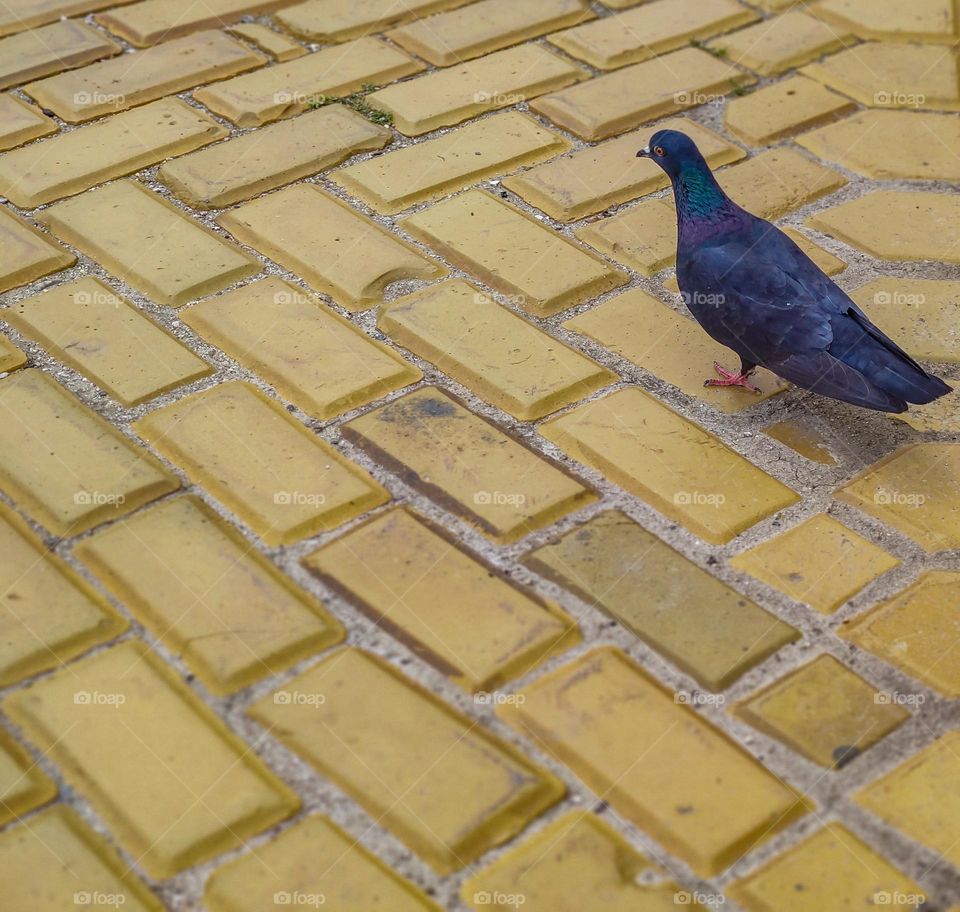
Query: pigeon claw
x=731 y=378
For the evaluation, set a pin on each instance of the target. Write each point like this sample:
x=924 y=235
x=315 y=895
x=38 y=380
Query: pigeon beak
x=644 y=152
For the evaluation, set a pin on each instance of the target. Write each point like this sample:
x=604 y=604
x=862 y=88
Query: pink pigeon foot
x=731 y=378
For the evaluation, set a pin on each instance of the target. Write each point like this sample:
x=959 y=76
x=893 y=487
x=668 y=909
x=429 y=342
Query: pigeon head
x=673 y=151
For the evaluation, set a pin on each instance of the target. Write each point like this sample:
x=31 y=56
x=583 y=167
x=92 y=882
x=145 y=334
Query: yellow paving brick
x=277 y=45
x=893 y=75
x=673 y=464
x=647 y=332
x=265 y=466
x=134 y=79
x=21 y=122
x=23 y=785
x=486 y=26
x=710 y=631
x=48 y=614
x=79 y=867
x=207 y=595
x=621 y=101
x=924 y=20
x=150 y=243
x=917 y=631
x=820 y=562
x=830 y=264
x=339 y=251
x=428 y=170
x=539 y=269
x=872 y=143
x=50 y=49
x=270 y=157
x=823 y=711
x=649 y=30
x=574 y=862
x=585 y=714
x=916 y=490
x=288 y=88
x=75 y=161
x=152 y=21
x=499 y=80
x=104 y=338
x=312 y=356
x=922 y=315
x=312 y=859
x=643 y=237
x=435 y=778
x=10 y=356
x=782 y=43
x=896 y=225
x=483 y=345
x=803 y=438
x=917 y=798
x=338 y=20
x=27 y=254
x=401 y=572
x=783 y=109
x=64 y=464
x=17 y=15
x=942 y=415
x=597 y=177
x=467 y=464
x=832 y=869
x=170 y=780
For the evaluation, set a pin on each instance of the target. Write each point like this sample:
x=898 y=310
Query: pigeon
x=756 y=292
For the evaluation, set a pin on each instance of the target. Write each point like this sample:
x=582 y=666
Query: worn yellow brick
x=649 y=30
x=313 y=858
x=940 y=416
x=48 y=613
x=643 y=237
x=435 y=778
x=278 y=46
x=247 y=451
x=255 y=162
x=710 y=631
x=924 y=20
x=338 y=20
x=21 y=122
x=483 y=345
x=401 y=572
x=782 y=43
x=10 y=356
x=782 y=109
x=585 y=715
x=804 y=438
x=830 y=264
x=72 y=162
x=467 y=464
x=896 y=225
x=23 y=785
x=171 y=781
x=428 y=170
x=917 y=631
x=207 y=595
x=820 y=562
x=893 y=75
x=27 y=254
x=104 y=338
x=673 y=464
x=50 y=49
x=339 y=251
x=312 y=356
x=499 y=80
x=78 y=865
x=150 y=243
x=289 y=88
x=673 y=347
x=915 y=489
x=872 y=143
x=621 y=101
x=65 y=464
x=597 y=177
x=17 y=15
x=484 y=27
x=134 y=79
x=152 y=21
x=539 y=269
x=832 y=869
x=917 y=798
x=573 y=863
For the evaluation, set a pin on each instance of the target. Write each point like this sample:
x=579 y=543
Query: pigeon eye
x=659 y=150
